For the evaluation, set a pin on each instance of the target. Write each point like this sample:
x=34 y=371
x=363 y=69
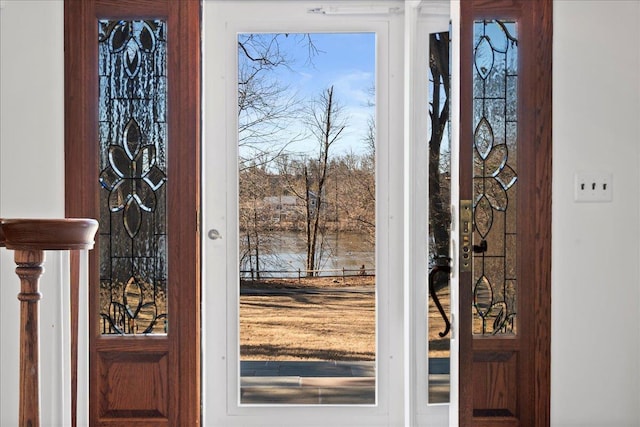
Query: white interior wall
x=32 y=185
x=595 y=282
x=596 y=249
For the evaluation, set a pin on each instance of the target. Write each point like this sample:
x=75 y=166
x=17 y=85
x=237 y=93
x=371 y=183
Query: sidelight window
x=132 y=135
x=495 y=120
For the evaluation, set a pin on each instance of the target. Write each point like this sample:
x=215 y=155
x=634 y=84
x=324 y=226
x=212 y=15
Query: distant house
x=281 y=207
x=280 y=202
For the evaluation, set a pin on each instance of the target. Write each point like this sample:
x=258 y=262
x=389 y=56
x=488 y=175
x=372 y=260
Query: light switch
x=593 y=187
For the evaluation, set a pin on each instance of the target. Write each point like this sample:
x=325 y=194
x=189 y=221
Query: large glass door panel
x=306 y=218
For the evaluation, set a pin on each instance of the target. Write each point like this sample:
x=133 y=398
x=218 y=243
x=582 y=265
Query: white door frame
x=400 y=397
x=423 y=17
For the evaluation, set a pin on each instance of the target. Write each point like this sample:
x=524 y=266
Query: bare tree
x=355 y=176
x=266 y=109
x=370 y=137
x=326 y=122
x=266 y=106
x=439 y=194
x=254 y=236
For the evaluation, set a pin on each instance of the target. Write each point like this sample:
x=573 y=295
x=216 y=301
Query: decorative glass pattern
x=132 y=65
x=495 y=80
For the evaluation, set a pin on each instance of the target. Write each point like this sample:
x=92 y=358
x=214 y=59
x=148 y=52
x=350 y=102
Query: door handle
x=434 y=295
x=481 y=248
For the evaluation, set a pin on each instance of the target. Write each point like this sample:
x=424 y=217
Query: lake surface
x=346 y=250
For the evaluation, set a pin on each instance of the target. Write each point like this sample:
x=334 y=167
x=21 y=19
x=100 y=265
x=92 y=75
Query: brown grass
x=325 y=326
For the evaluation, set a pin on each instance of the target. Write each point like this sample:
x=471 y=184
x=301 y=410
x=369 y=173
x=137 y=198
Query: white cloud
x=354 y=88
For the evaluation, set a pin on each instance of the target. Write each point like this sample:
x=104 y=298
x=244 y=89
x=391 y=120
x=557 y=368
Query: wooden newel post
x=29 y=238
x=29 y=269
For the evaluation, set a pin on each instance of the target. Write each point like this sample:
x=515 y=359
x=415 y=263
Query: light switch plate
x=593 y=187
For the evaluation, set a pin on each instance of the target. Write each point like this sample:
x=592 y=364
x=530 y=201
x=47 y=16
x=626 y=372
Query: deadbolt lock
x=466 y=235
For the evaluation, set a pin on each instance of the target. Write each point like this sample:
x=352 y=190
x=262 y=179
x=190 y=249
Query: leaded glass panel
x=495 y=80
x=132 y=65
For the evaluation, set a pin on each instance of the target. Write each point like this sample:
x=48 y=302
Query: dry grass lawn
x=318 y=326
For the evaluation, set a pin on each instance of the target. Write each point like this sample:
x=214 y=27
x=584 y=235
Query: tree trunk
x=439 y=207
x=308 y=229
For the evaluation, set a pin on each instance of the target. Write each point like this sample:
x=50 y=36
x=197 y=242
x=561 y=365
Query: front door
x=303 y=144
x=505 y=219
x=145 y=365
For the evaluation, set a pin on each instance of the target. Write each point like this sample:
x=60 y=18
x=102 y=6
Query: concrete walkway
x=322 y=383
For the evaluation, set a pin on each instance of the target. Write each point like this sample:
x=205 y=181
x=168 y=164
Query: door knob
x=214 y=234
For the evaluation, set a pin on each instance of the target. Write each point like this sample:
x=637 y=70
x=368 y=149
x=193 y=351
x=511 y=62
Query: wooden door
x=132 y=138
x=505 y=174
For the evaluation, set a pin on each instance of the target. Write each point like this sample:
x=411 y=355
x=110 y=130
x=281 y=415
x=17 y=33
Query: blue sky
x=344 y=60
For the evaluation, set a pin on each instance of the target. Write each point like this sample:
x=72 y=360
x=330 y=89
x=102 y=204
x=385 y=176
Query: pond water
x=341 y=250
